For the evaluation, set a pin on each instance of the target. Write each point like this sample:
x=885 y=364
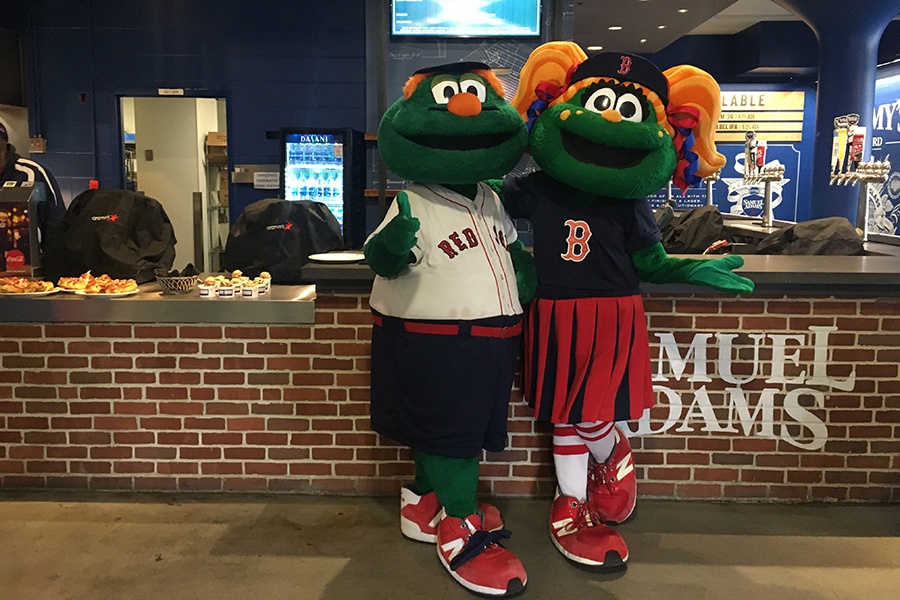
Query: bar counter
x=772 y=274
x=789 y=394
x=281 y=304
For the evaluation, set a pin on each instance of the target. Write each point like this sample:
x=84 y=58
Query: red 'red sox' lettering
x=454 y=237
x=579 y=234
x=500 y=237
x=458 y=244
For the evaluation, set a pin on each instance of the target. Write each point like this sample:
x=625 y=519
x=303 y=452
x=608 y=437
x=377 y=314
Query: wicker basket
x=177 y=285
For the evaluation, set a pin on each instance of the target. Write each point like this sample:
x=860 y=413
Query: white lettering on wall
x=883 y=117
x=669 y=346
x=754 y=411
x=725 y=358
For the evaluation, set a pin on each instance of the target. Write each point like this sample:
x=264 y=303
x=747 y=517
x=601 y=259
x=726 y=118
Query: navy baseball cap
x=457 y=67
x=624 y=67
x=4 y=135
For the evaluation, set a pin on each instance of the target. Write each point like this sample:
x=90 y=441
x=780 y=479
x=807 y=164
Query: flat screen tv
x=466 y=18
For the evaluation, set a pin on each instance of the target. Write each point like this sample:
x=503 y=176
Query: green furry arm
x=389 y=251
x=654 y=265
x=526 y=275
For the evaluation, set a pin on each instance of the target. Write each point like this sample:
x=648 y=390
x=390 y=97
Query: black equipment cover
x=834 y=236
x=278 y=236
x=694 y=231
x=119 y=233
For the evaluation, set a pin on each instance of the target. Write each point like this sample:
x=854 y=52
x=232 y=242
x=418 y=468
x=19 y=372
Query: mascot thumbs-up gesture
x=447 y=309
x=606 y=131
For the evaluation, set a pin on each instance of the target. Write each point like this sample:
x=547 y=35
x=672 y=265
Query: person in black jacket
x=14 y=167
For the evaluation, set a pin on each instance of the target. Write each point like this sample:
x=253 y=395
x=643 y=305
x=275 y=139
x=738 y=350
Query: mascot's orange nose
x=464 y=105
x=611 y=115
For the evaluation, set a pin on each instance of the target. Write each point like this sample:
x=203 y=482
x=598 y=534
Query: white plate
x=47 y=293
x=337 y=257
x=116 y=295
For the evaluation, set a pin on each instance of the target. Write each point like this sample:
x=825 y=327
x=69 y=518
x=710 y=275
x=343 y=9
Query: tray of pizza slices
x=101 y=286
x=22 y=286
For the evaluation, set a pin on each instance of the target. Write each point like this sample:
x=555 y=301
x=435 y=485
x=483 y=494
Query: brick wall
x=285 y=408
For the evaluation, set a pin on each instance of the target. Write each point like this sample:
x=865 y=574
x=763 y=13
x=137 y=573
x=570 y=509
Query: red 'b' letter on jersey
x=579 y=234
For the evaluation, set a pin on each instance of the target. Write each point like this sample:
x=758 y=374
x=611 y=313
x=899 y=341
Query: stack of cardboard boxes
x=217 y=154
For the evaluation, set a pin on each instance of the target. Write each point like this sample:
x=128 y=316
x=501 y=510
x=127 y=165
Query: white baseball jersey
x=462 y=269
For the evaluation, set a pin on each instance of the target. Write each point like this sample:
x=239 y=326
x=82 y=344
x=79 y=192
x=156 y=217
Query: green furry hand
x=388 y=251
x=526 y=275
x=400 y=232
x=654 y=265
x=717 y=273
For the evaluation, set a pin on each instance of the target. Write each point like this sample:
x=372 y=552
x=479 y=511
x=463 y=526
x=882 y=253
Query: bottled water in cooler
x=317 y=174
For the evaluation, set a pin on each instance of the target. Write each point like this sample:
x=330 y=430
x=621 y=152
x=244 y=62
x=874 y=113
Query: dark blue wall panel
x=278 y=63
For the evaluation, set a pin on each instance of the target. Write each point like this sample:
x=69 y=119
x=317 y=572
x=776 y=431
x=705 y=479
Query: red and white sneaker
x=475 y=560
x=612 y=486
x=581 y=537
x=419 y=515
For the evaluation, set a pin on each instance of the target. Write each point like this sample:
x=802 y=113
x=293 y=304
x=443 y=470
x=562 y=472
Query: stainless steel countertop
x=772 y=274
x=283 y=304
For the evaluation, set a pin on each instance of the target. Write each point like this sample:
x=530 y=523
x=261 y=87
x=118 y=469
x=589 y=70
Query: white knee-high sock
x=599 y=438
x=570 y=457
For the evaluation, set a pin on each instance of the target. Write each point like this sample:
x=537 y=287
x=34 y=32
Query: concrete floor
x=98 y=547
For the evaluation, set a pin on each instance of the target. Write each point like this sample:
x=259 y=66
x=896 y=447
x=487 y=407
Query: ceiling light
x=592 y=48
x=643 y=40
x=615 y=28
x=682 y=10
x=661 y=27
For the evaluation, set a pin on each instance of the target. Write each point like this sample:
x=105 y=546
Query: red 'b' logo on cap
x=625 y=65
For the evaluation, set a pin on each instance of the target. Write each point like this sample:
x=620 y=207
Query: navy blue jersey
x=582 y=243
x=50 y=211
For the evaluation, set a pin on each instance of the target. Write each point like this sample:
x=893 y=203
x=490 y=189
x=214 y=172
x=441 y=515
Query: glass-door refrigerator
x=327 y=166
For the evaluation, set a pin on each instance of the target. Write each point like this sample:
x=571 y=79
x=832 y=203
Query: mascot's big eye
x=444 y=89
x=630 y=108
x=600 y=100
x=473 y=85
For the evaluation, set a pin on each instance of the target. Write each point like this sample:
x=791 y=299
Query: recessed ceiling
x=660 y=22
x=743 y=14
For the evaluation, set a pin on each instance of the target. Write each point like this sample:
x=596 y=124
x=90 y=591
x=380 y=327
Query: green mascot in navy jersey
x=606 y=131
x=447 y=311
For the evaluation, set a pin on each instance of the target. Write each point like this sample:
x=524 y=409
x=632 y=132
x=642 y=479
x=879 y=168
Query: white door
x=169 y=160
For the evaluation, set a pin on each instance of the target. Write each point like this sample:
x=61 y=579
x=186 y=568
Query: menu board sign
x=774 y=116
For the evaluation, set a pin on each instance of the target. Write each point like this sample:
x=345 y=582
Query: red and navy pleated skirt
x=587 y=359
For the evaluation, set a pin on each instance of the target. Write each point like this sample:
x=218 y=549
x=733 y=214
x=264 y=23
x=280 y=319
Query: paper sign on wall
x=266 y=180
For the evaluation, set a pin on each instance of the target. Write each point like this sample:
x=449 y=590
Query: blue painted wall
x=278 y=63
x=285 y=63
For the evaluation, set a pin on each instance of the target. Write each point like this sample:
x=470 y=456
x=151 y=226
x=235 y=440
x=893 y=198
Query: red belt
x=452 y=329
